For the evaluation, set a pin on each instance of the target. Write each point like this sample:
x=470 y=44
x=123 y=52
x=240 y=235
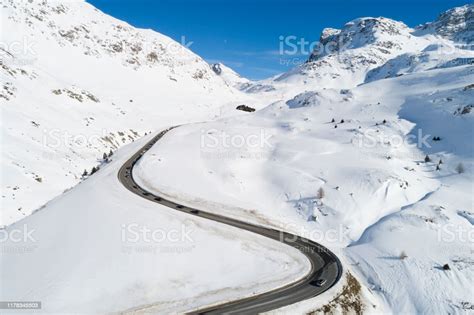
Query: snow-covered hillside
x=371 y=182
x=456 y=24
x=369 y=48
x=380 y=168
x=229 y=76
x=100 y=249
x=367 y=148
x=76 y=83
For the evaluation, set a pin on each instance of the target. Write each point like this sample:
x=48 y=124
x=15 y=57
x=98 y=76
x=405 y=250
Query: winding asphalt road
x=324 y=264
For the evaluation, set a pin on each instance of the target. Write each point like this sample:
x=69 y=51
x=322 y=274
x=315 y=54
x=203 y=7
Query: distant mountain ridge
x=348 y=56
x=456 y=24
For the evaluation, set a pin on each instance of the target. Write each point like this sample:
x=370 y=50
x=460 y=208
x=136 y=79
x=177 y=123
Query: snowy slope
x=456 y=24
x=432 y=57
x=344 y=56
x=337 y=155
x=231 y=77
x=370 y=48
x=76 y=83
x=234 y=79
x=368 y=177
x=88 y=252
x=397 y=218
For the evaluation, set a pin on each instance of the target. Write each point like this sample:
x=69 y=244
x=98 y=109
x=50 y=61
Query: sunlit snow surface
x=90 y=83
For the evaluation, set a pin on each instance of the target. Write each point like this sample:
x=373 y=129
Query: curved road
x=324 y=264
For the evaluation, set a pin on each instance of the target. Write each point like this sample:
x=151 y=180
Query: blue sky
x=246 y=35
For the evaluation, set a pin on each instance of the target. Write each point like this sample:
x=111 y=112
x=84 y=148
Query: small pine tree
x=342 y=121
x=440 y=162
x=427 y=159
x=460 y=168
x=84 y=174
x=93 y=170
x=335 y=126
x=320 y=194
x=403 y=255
x=384 y=121
x=438 y=168
x=104 y=156
x=111 y=153
x=333 y=120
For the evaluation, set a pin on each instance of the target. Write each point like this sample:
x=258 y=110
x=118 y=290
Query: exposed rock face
x=216 y=68
x=344 y=56
x=456 y=24
x=80 y=25
x=359 y=33
x=368 y=49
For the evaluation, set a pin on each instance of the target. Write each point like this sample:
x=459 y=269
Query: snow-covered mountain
x=442 y=55
x=234 y=79
x=366 y=148
x=373 y=48
x=228 y=75
x=76 y=83
x=456 y=24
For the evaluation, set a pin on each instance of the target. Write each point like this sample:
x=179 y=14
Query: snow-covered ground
x=359 y=184
x=76 y=83
x=335 y=152
x=99 y=249
x=380 y=197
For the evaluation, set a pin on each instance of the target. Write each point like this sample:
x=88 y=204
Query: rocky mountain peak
x=359 y=33
x=456 y=24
